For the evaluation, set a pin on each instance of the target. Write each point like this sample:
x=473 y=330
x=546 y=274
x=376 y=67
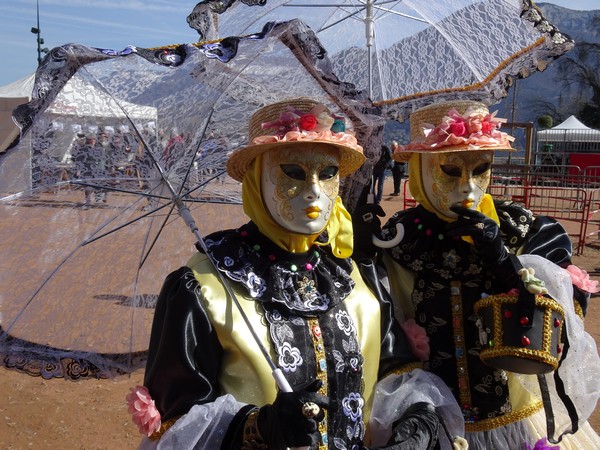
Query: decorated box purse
x=520 y=333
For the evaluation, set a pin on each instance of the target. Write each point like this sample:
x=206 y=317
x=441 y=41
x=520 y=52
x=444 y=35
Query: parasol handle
x=280 y=380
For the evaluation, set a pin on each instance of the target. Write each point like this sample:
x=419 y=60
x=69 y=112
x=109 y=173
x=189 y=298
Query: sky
x=111 y=24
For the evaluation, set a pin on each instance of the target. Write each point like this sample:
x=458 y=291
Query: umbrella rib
x=143 y=216
x=37 y=291
x=158 y=166
x=341 y=7
x=378 y=7
x=113 y=189
x=162 y=227
x=189 y=168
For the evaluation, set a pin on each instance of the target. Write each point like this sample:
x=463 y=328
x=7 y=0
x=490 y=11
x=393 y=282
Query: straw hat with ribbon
x=292 y=122
x=455 y=126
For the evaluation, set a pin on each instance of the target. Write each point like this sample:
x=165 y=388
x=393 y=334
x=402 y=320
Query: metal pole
x=38 y=32
x=370 y=35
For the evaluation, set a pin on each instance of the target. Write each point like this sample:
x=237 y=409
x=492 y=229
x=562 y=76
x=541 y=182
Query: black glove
x=283 y=424
x=417 y=429
x=488 y=245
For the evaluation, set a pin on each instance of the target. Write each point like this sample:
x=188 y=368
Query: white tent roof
x=80 y=98
x=572 y=123
x=77 y=99
x=11 y=96
x=571 y=130
x=18 y=89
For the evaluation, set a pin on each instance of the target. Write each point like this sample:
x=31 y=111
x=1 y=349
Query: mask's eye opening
x=451 y=170
x=482 y=168
x=293 y=171
x=328 y=173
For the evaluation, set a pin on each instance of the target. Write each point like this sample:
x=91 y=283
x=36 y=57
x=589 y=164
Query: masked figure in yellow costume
x=207 y=385
x=458 y=247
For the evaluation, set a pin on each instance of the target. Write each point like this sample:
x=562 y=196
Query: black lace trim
x=305 y=283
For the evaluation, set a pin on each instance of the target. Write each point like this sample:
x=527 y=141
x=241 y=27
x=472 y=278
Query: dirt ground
x=40 y=414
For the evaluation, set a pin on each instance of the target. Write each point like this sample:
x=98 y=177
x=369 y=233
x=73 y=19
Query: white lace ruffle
x=580 y=368
x=395 y=393
x=202 y=428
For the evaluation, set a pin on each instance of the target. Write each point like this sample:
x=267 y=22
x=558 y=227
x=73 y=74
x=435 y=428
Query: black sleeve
x=395 y=351
x=548 y=238
x=184 y=357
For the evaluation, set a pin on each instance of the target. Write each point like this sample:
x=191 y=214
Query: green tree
x=578 y=71
x=545 y=121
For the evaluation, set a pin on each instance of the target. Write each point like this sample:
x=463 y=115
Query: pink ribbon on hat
x=474 y=130
x=345 y=139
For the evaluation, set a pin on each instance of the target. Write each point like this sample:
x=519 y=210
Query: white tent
x=81 y=99
x=571 y=130
x=11 y=96
x=77 y=99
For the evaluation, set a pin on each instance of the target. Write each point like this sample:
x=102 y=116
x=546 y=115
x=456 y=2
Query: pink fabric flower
x=458 y=128
x=487 y=127
x=581 y=279
x=143 y=410
x=345 y=139
x=417 y=339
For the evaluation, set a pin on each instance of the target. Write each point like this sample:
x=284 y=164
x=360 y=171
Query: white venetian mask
x=299 y=186
x=455 y=179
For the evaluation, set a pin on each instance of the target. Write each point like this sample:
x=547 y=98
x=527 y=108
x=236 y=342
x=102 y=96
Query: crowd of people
x=104 y=155
x=457 y=324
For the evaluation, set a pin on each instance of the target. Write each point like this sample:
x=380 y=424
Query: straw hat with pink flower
x=293 y=122
x=454 y=127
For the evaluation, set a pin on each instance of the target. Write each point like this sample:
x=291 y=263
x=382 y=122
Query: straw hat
x=454 y=127
x=292 y=122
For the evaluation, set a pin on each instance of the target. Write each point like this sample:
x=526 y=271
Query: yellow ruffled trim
x=578 y=309
x=506 y=419
x=163 y=428
x=405 y=369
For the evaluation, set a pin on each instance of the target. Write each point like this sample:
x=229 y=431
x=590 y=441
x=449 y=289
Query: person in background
x=207 y=385
x=384 y=163
x=398 y=171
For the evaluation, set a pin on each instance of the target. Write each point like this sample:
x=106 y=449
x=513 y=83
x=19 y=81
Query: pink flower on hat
x=473 y=129
x=458 y=128
x=581 y=279
x=417 y=339
x=143 y=410
x=488 y=127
